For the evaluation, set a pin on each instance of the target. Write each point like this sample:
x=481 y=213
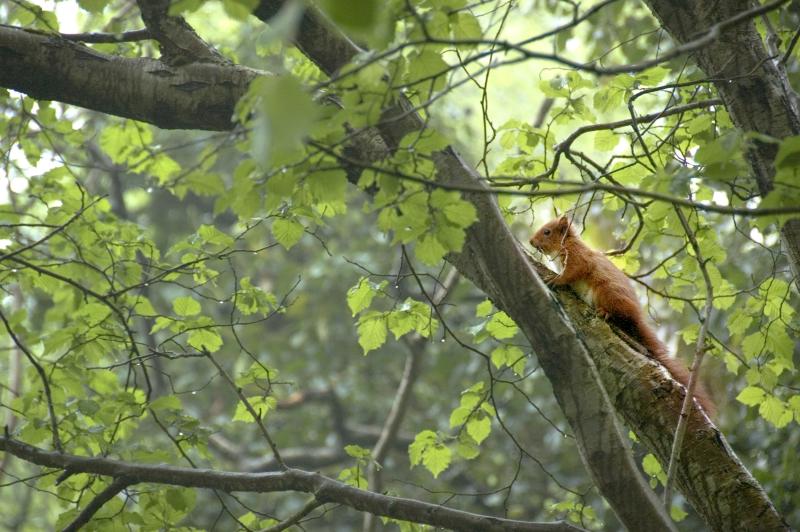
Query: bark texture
x=192 y=96
x=709 y=473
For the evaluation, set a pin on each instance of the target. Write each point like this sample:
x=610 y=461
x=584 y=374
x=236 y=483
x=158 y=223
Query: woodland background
x=291 y=237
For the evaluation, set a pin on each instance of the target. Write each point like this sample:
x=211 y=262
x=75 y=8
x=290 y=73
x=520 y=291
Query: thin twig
x=45 y=383
x=699 y=353
x=790 y=48
x=249 y=407
x=53 y=233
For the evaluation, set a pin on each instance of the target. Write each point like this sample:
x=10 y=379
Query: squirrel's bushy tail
x=647 y=337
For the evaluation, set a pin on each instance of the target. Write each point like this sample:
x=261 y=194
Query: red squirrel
x=609 y=290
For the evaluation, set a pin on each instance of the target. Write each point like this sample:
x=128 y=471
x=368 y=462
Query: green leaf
x=180 y=499
x=239 y=9
x=429 y=66
x=202 y=184
x=205 y=339
x=287 y=113
x=429 y=250
x=794 y=405
x=677 y=513
x=428 y=450
x=652 y=467
x=261 y=406
x=459 y=416
x=186 y=306
x=788 y=155
x=372 y=332
x=166 y=402
x=509 y=355
x=484 y=308
x=752 y=345
x=479 y=428
x=327 y=186
x=605 y=140
x=751 y=396
x=94 y=312
x=93 y=6
x=418 y=446
x=467 y=448
x=436 y=458
x=287 y=232
x=356 y=451
x=353 y=14
x=214 y=236
x=360 y=296
x=466 y=27
x=501 y=326
x=774 y=411
x=354 y=476
x=401 y=323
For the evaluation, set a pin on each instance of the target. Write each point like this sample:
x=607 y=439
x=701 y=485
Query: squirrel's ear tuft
x=563 y=223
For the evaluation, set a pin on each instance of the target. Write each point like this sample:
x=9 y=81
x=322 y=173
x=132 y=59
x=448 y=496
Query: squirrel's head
x=551 y=236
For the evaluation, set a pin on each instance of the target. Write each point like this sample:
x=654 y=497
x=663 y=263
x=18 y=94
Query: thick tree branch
x=180 y=44
x=196 y=95
x=325 y=490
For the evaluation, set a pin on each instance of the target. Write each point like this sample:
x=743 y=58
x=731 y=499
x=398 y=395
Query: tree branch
x=111 y=491
x=195 y=95
x=179 y=43
x=325 y=490
x=307 y=508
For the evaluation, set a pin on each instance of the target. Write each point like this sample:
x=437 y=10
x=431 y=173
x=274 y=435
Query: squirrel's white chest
x=582 y=288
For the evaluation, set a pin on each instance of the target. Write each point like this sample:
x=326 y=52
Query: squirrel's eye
x=546 y=232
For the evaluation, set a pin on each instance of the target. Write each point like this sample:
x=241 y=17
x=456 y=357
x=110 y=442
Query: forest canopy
x=265 y=265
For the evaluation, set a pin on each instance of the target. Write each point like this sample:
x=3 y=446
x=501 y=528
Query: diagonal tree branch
x=325 y=490
x=492 y=259
x=179 y=43
x=111 y=491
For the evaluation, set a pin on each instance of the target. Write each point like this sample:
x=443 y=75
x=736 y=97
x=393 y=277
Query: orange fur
x=609 y=291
